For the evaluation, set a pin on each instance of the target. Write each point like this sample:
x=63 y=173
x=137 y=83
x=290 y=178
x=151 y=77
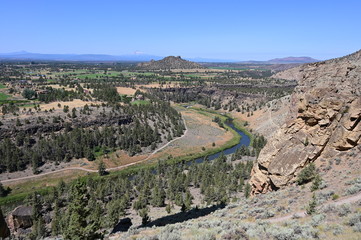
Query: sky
x=223 y=29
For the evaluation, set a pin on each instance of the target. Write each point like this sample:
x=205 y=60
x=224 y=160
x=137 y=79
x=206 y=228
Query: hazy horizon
x=229 y=30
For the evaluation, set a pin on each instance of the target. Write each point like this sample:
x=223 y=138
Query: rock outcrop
x=168 y=63
x=20 y=218
x=324 y=121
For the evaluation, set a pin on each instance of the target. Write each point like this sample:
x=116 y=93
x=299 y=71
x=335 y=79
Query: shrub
x=207 y=236
x=324 y=196
x=353 y=189
x=304 y=231
x=307 y=174
x=357 y=227
x=344 y=210
x=234 y=234
x=337 y=230
x=335 y=196
x=283 y=233
x=317 y=219
x=354 y=219
x=169 y=233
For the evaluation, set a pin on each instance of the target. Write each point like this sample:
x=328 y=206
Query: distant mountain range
x=76 y=57
x=286 y=60
x=26 y=56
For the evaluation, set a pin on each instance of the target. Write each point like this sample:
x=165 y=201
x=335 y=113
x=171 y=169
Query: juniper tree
x=311 y=208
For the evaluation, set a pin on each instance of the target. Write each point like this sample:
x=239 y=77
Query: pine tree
x=188 y=200
x=168 y=208
x=4 y=192
x=143 y=213
x=77 y=227
x=316 y=183
x=101 y=169
x=55 y=223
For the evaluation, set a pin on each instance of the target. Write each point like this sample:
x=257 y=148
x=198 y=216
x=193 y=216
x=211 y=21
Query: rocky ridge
x=170 y=62
x=324 y=121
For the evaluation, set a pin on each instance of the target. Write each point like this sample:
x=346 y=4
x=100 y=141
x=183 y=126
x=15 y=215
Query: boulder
x=20 y=218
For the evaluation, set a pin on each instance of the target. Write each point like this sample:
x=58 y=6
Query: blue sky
x=224 y=29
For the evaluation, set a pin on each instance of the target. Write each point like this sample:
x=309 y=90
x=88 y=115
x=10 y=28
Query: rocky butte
x=324 y=122
x=170 y=62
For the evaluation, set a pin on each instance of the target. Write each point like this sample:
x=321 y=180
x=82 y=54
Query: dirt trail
x=303 y=214
x=108 y=169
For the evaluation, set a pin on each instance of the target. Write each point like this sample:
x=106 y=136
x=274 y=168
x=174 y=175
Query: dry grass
x=126 y=91
x=72 y=104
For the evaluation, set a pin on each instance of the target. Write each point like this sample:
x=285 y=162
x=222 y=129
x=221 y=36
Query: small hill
x=170 y=62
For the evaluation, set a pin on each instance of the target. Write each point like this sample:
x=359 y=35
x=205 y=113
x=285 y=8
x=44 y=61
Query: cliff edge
x=324 y=121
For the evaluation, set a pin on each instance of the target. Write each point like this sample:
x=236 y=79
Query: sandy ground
x=72 y=104
x=126 y=91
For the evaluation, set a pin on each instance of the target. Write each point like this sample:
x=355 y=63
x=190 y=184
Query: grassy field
x=42 y=185
x=140 y=102
x=2 y=86
x=3 y=96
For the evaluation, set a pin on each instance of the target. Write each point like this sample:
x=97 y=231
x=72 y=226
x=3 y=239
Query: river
x=245 y=140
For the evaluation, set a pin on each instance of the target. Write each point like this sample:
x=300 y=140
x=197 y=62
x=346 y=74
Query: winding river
x=245 y=140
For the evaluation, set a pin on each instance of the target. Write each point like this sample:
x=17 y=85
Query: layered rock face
x=324 y=121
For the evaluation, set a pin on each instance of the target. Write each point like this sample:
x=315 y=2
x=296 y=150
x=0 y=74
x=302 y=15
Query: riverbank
x=45 y=184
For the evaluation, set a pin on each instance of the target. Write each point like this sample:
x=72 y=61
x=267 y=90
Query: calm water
x=245 y=140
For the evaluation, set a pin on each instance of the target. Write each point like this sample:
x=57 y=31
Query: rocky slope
x=324 y=121
x=170 y=62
